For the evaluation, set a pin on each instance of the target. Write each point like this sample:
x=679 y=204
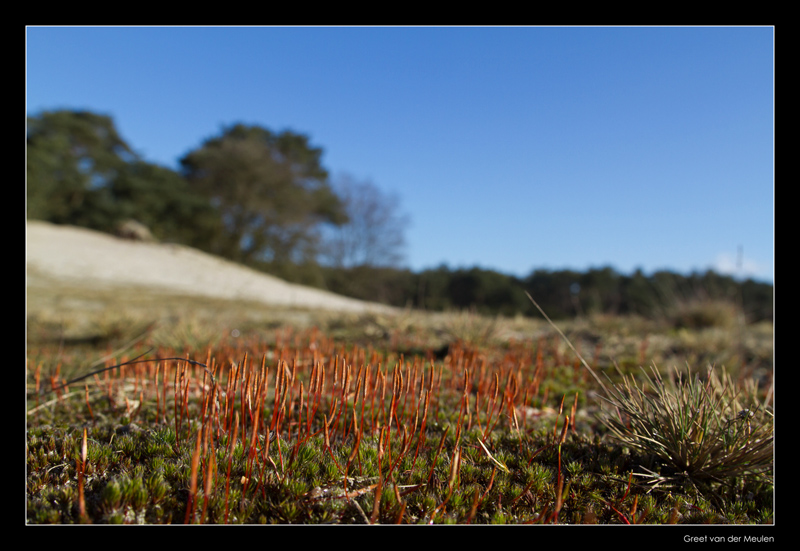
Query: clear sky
x=510 y=148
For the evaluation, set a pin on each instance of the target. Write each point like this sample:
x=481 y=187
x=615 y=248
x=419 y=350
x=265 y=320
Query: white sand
x=89 y=258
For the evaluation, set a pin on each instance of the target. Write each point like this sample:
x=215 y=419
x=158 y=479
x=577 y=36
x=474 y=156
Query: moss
x=139 y=461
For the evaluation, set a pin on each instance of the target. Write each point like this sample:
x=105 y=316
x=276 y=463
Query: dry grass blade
x=585 y=364
x=500 y=464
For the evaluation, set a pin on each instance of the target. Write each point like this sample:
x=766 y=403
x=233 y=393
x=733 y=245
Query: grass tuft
x=702 y=431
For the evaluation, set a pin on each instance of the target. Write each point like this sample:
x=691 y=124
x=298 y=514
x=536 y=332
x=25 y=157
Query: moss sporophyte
x=311 y=429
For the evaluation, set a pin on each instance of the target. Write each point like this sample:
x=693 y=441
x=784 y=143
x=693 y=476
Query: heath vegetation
x=410 y=418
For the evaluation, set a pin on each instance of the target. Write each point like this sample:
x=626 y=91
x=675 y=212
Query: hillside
x=77 y=279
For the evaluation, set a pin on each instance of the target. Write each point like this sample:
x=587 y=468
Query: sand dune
x=79 y=256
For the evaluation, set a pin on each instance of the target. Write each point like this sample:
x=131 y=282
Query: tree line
x=696 y=300
x=264 y=199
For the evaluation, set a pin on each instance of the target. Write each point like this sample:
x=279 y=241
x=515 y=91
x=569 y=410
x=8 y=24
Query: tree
x=81 y=172
x=161 y=199
x=486 y=291
x=394 y=286
x=602 y=286
x=432 y=289
x=270 y=190
x=72 y=156
x=639 y=297
x=374 y=234
x=553 y=291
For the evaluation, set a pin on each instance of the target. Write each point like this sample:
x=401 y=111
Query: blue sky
x=510 y=148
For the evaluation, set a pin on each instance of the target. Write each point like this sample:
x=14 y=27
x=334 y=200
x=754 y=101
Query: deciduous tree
x=374 y=234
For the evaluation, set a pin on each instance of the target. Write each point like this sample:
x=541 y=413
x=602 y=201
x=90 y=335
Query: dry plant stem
x=136 y=360
x=586 y=365
x=499 y=464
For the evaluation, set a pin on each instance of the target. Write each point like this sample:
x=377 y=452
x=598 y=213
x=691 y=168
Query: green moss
x=139 y=463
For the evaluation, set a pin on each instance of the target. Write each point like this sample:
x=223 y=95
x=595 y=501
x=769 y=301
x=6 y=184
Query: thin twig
x=136 y=360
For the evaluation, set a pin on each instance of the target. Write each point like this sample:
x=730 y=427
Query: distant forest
x=695 y=300
x=263 y=199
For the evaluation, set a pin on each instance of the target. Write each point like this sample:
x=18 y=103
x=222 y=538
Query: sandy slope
x=86 y=258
